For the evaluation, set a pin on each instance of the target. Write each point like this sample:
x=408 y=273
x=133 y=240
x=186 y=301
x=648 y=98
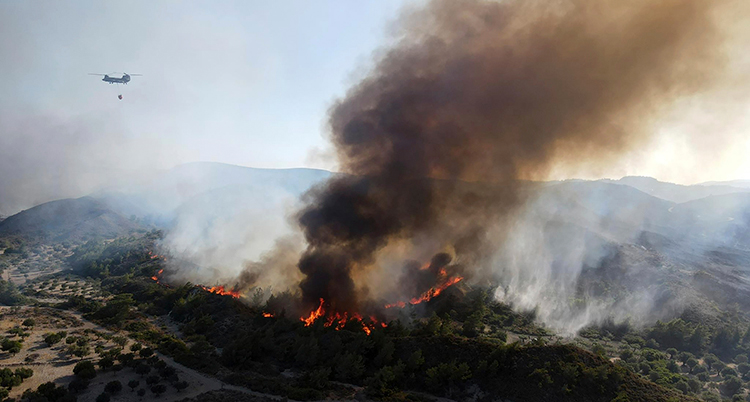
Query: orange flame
x=158 y=274
x=155 y=256
x=219 y=290
x=339 y=320
x=428 y=295
x=314 y=315
x=267 y=315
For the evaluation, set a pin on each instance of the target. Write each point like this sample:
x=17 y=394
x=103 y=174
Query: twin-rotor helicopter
x=115 y=80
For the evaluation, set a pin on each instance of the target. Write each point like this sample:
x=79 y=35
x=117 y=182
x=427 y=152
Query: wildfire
x=158 y=274
x=155 y=256
x=338 y=320
x=267 y=315
x=433 y=292
x=220 y=290
x=314 y=315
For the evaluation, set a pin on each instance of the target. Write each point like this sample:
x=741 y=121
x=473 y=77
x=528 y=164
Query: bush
x=24 y=373
x=133 y=384
x=142 y=369
x=52 y=338
x=78 y=385
x=11 y=346
x=103 y=397
x=29 y=322
x=732 y=385
x=113 y=387
x=85 y=370
x=152 y=379
x=146 y=352
x=743 y=368
x=159 y=389
x=106 y=362
x=728 y=372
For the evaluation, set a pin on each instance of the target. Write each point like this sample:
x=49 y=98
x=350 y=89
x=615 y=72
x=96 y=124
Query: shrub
x=159 y=389
x=113 y=387
x=78 y=385
x=133 y=384
x=24 y=373
x=52 y=338
x=732 y=385
x=728 y=372
x=103 y=397
x=85 y=370
x=11 y=346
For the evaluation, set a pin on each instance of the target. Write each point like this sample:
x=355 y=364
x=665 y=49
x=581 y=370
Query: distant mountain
x=168 y=191
x=69 y=219
x=679 y=193
x=731 y=183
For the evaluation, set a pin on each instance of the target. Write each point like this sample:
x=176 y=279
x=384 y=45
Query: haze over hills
x=580 y=253
x=69 y=219
x=219 y=215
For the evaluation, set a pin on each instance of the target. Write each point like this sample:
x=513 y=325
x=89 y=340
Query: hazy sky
x=243 y=82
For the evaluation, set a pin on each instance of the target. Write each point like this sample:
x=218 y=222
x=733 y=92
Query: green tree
x=142 y=369
x=85 y=370
x=106 y=362
x=743 y=368
x=52 y=338
x=180 y=385
x=732 y=385
x=710 y=360
x=728 y=372
x=146 y=352
x=103 y=397
x=133 y=384
x=113 y=387
x=350 y=367
x=446 y=375
x=158 y=389
x=691 y=363
x=11 y=346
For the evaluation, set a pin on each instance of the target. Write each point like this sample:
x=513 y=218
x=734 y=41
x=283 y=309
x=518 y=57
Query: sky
x=240 y=82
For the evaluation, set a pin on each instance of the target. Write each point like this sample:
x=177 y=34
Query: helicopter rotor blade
x=97 y=74
x=135 y=75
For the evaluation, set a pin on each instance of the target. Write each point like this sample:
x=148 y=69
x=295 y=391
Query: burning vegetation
x=219 y=290
x=490 y=92
x=339 y=320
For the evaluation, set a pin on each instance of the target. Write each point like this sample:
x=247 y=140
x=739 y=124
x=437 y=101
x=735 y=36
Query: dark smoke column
x=493 y=92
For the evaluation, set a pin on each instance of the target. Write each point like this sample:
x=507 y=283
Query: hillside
x=69 y=219
x=680 y=193
x=167 y=191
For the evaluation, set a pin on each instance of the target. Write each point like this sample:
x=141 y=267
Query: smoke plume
x=491 y=92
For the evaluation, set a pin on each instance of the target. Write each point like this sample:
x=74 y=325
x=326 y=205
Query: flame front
x=220 y=290
x=158 y=274
x=339 y=320
x=431 y=293
x=314 y=315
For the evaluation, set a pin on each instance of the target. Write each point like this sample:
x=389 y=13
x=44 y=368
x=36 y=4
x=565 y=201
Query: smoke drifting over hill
x=494 y=92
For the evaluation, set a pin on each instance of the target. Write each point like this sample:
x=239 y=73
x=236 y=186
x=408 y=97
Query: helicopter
x=114 y=80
